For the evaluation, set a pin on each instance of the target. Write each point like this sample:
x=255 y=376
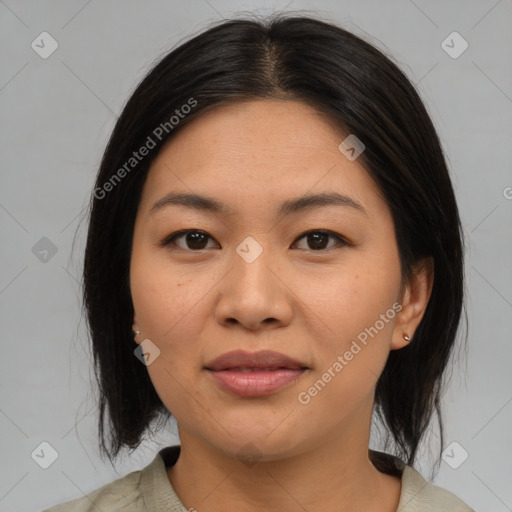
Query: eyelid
x=169 y=240
x=342 y=241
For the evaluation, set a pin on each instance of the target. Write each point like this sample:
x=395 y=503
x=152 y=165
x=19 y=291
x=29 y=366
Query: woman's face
x=251 y=280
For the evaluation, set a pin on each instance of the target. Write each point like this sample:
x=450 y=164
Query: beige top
x=149 y=490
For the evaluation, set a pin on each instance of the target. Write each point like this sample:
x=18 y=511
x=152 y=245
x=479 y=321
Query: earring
x=406 y=338
x=136 y=333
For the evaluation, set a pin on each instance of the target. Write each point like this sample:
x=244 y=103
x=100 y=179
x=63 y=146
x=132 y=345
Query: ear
x=415 y=296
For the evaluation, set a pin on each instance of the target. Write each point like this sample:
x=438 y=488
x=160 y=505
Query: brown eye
x=319 y=239
x=194 y=240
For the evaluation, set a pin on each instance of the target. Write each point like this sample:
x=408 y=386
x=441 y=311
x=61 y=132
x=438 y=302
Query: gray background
x=56 y=115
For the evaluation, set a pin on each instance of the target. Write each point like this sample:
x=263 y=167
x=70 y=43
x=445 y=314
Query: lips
x=263 y=360
x=254 y=374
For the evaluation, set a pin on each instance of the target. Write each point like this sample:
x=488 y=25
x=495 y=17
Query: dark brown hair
x=349 y=81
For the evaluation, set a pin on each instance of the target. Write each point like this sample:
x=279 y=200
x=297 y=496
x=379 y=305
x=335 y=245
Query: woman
x=274 y=255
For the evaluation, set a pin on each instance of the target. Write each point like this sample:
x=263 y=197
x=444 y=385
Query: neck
x=334 y=476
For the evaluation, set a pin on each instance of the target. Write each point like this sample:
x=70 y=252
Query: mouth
x=254 y=374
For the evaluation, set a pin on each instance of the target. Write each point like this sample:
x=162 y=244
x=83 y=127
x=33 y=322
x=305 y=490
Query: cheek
x=355 y=303
x=351 y=297
x=161 y=295
x=164 y=305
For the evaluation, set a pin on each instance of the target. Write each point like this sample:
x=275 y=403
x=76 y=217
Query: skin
x=308 y=304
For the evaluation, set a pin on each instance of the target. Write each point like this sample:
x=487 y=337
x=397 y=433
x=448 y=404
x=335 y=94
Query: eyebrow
x=300 y=204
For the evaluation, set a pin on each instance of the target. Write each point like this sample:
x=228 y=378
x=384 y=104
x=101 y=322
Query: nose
x=255 y=294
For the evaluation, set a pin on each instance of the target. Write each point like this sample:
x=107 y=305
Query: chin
x=249 y=444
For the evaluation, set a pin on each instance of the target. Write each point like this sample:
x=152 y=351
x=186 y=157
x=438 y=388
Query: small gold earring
x=406 y=338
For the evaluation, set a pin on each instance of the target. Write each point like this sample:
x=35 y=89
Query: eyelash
x=169 y=240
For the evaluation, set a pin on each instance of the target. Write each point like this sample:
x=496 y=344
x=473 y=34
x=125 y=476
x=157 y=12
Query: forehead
x=257 y=151
x=258 y=129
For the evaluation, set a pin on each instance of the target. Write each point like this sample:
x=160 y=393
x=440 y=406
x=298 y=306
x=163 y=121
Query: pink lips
x=254 y=374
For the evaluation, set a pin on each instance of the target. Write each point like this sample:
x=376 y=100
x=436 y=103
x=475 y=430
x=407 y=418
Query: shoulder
x=121 y=494
x=143 y=490
x=417 y=495
x=420 y=496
